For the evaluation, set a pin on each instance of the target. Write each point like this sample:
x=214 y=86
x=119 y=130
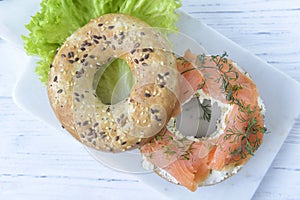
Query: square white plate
x=276 y=90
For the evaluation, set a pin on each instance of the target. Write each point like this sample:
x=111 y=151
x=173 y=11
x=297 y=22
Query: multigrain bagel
x=148 y=108
x=193 y=161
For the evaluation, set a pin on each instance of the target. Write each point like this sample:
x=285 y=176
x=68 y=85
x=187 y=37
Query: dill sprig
x=228 y=74
x=187 y=154
x=251 y=129
x=169 y=151
x=206 y=109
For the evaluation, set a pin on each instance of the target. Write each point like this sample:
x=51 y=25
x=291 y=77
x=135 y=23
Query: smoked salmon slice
x=190 y=161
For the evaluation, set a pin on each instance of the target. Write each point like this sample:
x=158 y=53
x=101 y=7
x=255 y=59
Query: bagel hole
x=198 y=119
x=114 y=82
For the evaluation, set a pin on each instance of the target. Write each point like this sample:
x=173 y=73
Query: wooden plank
x=36 y=162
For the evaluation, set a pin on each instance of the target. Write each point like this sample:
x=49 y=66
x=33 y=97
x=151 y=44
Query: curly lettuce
x=58 y=19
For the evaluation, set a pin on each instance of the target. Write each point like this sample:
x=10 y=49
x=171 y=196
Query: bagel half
x=143 y=113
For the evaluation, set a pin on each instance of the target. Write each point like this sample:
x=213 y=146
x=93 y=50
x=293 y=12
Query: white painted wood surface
x=36 y=162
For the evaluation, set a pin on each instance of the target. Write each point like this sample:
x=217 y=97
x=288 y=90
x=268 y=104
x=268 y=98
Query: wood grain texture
x=36 y=162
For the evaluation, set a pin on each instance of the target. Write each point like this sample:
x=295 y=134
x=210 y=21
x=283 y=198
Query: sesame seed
x=111 y=27
x=156 y=118
x=132 y=51
x=79 y=73
x=96 y=124
x=71 y=54
x=55 y=79
x=146 y=56
x=63 y=55
x=91 y=132
x=85 y=123
x=96 y=41
x=123 y=143
x=97 y=37
x=147 y=95
x=71 y=61
x=160 y=76
x=153 y=111
x=100 y=24
x=162 y=85
x=59 y=91
x=136 y=45
x=76 y=59
x=82 y=49
x=136 y=61
x=144 y=64
x=117 y=138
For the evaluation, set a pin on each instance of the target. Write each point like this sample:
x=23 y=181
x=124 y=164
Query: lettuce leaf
x=113 y=82
x=58 y=19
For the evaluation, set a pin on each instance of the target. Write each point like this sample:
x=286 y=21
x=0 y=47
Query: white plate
x=275 y=88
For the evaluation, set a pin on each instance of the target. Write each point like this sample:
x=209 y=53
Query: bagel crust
x=133 y=121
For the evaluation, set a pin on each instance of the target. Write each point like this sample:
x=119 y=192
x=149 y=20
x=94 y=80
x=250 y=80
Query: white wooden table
x=37 y=162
